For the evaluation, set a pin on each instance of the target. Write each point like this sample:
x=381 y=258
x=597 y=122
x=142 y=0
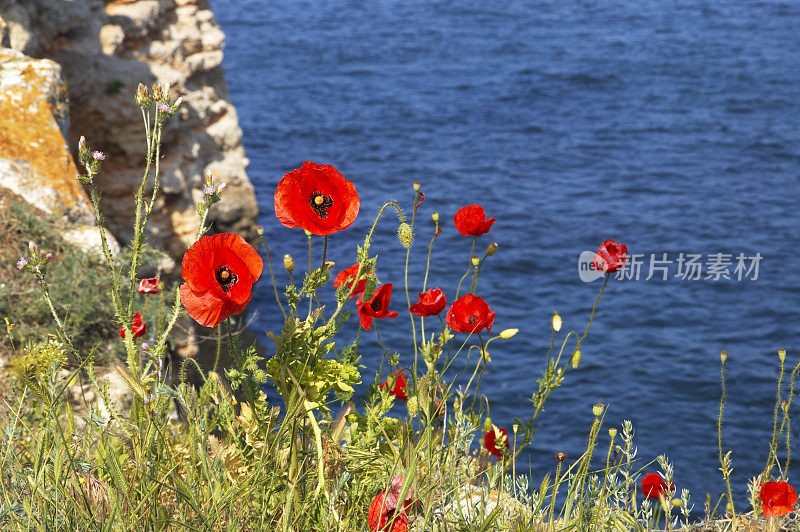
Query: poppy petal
x=204 y=308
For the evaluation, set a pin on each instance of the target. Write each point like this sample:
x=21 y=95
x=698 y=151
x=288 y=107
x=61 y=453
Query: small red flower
x=138 y=327
x=653 y=486
x=398 y=389
x=490 y=442
x=346 y=278
x=149 y=285
x=430 y=303
x=777 y=499
x=610 y=256
x=219 y=271
x=470 y=314
x=380 y=514
x=471 y=220
x=317 y=198
x=376 y=307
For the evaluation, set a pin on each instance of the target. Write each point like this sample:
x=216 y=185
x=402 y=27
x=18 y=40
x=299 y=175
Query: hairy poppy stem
x=722 y=461
x=469 y=268
x=408 y=299
x=773 y=442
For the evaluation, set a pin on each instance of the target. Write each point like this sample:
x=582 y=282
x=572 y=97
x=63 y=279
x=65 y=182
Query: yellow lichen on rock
x=34 y=160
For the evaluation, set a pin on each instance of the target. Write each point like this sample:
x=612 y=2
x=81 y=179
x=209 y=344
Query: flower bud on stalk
x=260 y=230
x=782 y=355
x=576 y=358
x=288 y=263
x=142 y=98
x=561 y=456
x=417 y=186
x=406 y=235
x=597 y=409
x=508 y=333
x=556 y=322
x=487 y=424
x=435 y=217
x=612 y=432
x=475 y=261
x=491 y=249
x=723 y=356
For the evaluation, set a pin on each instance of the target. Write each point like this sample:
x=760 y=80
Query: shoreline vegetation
x=217 y=455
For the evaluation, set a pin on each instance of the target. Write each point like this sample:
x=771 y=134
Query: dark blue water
x=673 y=127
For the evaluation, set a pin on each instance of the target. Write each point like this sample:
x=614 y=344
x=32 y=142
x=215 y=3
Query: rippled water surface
x=672 y=127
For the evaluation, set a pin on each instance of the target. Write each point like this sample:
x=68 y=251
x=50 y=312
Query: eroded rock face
x=34 y=160
x=105 y=50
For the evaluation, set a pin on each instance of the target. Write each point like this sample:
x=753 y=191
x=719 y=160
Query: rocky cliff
x=104 y=49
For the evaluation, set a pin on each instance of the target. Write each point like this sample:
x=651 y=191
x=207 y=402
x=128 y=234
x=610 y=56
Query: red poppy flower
x=149 y=285
x=380 y=513
x=470 y=314
x=490 y=442
x=346 y=278
x=430 y=303
x=317 y=198
x=610 y=256
x=219 y=271
x=138 y=327
x=399 y=387
x=653 y=486
x=376 y=307
x=471 y=220
x=777 y=499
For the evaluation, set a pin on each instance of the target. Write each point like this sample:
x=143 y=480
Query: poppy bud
x=417 y=186
x=782 y=354
x=435 y=217
x=487 y=424
x=597 y=409
x=288 y=263
x=576 y=358
x=491 y=249
x=561 y=456
x=508 y=333
x=676 y=503
x=612 y=432
x=515 y=428
x=556 y=322
x=405 y=234
x=475 y=261
x=723 y=356
x=260 y=230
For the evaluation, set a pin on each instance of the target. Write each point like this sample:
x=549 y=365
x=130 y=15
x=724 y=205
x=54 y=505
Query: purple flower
x=145 y=346
x=209 y=190
x=98 y=156
x=21 y=263
x=48 y=256
x=164 y=108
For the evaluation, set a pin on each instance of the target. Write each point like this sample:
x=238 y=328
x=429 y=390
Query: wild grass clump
x=221 y=456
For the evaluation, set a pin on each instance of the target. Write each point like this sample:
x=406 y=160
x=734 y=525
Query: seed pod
x=288 y=263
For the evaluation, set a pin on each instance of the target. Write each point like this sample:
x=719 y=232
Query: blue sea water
x=673 y=127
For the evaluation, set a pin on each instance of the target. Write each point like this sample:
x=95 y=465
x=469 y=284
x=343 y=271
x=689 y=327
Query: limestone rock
x=105 y=49
x=34 y=160
x=87 y=239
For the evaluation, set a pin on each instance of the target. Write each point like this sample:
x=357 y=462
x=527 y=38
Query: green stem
x=272 y=273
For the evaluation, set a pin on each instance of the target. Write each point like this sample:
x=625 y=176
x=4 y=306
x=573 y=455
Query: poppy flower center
x=472 y=319
x=225 y=277
x=376 y=305
x=320 y=203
